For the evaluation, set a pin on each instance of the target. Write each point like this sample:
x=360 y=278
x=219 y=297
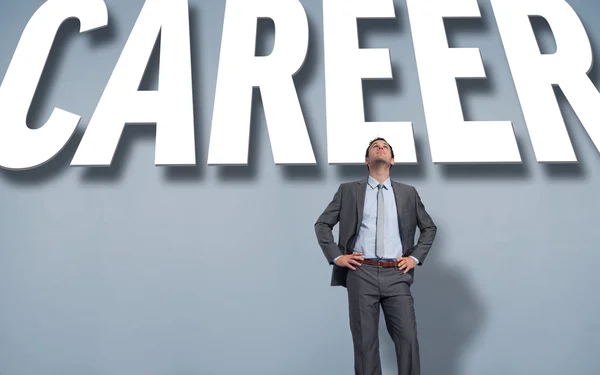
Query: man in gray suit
x=375 y=258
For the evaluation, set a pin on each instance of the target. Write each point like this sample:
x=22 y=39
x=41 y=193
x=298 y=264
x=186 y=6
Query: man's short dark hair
x=375 y=140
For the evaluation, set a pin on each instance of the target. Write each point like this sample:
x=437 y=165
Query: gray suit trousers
x=371 y=289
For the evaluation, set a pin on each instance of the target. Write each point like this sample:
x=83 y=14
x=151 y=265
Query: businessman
x=375 y=258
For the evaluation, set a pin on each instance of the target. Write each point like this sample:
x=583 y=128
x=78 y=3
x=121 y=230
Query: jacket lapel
x=400 y=204
x=361 y=190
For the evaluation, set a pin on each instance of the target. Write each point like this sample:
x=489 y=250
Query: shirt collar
x=373 y=183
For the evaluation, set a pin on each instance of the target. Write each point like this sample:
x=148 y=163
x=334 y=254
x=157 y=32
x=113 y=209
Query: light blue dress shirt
x=367 y=233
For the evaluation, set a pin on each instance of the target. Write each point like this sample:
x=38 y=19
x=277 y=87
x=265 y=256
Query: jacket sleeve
x=427 y=230
x=324 y=227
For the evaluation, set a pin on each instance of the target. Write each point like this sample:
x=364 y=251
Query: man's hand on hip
x=350 y=260
x=406 y=263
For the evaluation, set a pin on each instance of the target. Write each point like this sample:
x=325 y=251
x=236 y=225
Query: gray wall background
x=137 y=269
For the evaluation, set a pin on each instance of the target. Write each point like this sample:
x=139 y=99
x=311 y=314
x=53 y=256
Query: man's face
x=380 y=152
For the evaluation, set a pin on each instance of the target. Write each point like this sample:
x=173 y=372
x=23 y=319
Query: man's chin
x=379 y=163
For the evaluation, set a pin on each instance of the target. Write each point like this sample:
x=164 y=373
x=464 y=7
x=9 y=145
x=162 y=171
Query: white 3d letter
x=170 y=107
x=345 y=66
x=240 y=70
x=20 y=146
x=535 y=73
x=452 y=139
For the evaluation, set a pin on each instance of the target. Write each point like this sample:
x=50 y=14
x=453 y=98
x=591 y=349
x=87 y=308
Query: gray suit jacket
x=347 y=209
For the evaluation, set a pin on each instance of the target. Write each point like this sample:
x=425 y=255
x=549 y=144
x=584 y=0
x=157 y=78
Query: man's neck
x=380 y=174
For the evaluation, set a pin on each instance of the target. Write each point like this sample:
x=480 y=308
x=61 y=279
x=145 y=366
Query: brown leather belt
x=380 y=263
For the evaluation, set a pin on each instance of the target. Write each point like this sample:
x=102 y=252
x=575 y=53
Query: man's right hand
x=350 y=260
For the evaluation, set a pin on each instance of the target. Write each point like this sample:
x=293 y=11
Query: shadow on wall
x=449 y=316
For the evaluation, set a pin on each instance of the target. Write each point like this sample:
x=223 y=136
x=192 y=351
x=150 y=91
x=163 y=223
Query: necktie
x=379 y=250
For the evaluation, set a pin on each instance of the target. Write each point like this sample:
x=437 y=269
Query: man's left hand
x=406 y=263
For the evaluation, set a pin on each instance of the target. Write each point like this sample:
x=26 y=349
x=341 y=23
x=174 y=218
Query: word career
x=452 y=139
